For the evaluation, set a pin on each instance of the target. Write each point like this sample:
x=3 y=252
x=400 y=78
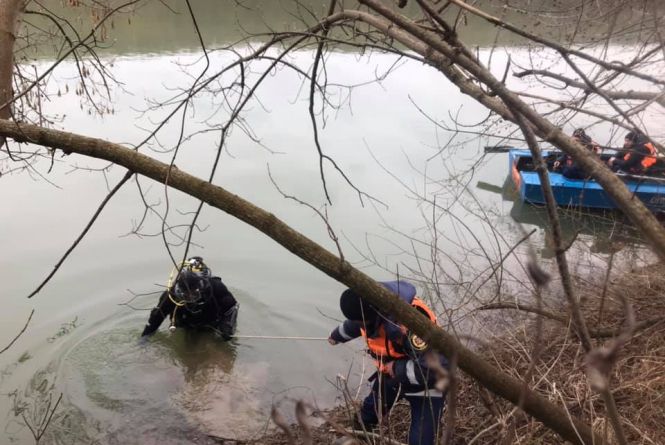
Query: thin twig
x=20 y=333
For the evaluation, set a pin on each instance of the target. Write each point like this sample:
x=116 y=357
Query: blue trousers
x=426 y=408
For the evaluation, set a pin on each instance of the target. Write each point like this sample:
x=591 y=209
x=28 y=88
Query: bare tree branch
x=612 y=94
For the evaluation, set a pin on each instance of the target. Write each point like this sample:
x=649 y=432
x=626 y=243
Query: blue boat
x=579 y=192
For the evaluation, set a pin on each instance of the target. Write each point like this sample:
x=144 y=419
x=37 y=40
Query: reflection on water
x=223 y=397
x=176 y=389
x=165 y=26
x=607 y=231
x=603 y=231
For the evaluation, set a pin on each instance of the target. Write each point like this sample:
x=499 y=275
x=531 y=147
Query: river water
x=82 y=340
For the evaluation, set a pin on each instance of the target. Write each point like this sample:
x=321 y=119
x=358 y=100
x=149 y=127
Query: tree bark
x=485 y=373
x=10 y=13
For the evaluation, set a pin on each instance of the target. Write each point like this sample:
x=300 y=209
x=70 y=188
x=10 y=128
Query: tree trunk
x=485 y=373
x=10 y=13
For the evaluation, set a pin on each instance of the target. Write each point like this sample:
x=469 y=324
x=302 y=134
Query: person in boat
x=639 y=155
x=195 y=299
x=404 y=363
x=565 y=163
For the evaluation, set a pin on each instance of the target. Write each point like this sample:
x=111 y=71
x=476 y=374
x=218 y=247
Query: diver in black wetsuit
x=196 y=300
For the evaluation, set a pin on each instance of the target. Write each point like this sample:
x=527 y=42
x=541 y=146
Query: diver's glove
x=148 y=331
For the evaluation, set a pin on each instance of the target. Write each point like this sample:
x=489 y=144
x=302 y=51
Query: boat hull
x=579 y=192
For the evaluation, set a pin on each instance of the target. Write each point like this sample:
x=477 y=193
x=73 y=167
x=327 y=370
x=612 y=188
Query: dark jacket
x=570 y=168
x=217 y=310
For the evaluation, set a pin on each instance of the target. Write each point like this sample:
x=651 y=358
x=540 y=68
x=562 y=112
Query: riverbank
x=637 y=379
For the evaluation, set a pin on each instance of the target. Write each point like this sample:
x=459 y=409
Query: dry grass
x=637 y=382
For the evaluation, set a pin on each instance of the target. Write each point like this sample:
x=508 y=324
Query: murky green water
x=82 y=341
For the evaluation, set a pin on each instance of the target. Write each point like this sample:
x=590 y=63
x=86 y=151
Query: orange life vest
x=649 y=159
x=382 y=349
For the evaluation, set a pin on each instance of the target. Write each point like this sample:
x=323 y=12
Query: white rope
x=274 y=337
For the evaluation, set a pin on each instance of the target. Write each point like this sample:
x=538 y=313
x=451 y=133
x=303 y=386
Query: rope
x=275 y=337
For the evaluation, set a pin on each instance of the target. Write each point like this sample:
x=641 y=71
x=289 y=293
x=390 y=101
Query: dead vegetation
x=637 y=378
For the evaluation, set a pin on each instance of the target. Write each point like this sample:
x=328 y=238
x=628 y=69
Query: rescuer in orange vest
x=403 y=361
x=640 y=155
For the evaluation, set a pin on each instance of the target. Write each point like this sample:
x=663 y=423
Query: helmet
x=581 y=135
x=190 y=288
x=191 y=284
x=354 y=308
x=636 y=137
x=195 y=264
